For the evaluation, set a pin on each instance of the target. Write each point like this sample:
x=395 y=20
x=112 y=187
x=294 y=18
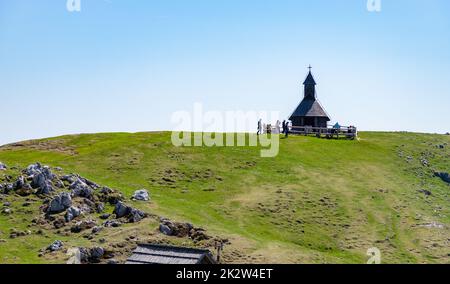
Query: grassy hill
x=318 y=201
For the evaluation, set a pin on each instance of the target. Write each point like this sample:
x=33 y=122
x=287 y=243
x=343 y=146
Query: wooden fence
x=348 y=132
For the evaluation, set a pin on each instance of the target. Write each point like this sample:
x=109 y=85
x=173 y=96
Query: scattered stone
x=42 y=183
x=41 y=178
x=109 y=195
x=165 y=230
x=136 y=216
x=100 y=207
x=19 y=183
x=141 y=195
x=59 y=184
x=81 y=189
x=426 y=192
x=15 y=233
x=89 y=183
x=84 y=255
x=93 y=255
x=59 y=223
x=33 y=169
x=133 y=215
x=9 y=187
x=7 y=211
x=72 y=213
x=3 y=188
x=105 y=216
x=56 y=246
x=25 y=190
x=121 y=210
x=97 y=253
x=8 y=178
x=60 y=203
x=112 y=262
x=96 y=229
x=424 y=162
x=69 y=178
x=88 y=206
x=83 y=225
x=182 y=230
x=7 y=204
x=198 y=234
x=3 y=167
x=112 y=224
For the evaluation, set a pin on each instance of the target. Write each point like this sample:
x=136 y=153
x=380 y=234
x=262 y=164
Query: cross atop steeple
x=309 y=79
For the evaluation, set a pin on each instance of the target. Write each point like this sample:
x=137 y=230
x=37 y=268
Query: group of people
x=280 y=128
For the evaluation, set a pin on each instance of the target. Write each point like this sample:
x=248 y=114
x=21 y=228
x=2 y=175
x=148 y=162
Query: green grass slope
x=318 y=201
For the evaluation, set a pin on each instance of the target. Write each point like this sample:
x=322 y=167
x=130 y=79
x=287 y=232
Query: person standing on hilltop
x=259 y=127
x=278 y=127
x=286 y=130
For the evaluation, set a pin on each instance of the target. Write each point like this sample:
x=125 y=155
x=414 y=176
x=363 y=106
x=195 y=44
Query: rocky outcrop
x=69 y=178
x=131 y=214
x=92 y=255
x=83 y=225
x=72 y=213
x=55 y=246
x=74 y=205
x=60 y=203
x=22 y=187
x=6 y=188
x=81 y=189
x=166 y=230
x=19 y=183
x=121 y=210
x=41 y=177
x=182 y=230
x=110 y=196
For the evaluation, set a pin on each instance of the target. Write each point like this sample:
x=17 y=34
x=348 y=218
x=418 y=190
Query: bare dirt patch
x=57 y=145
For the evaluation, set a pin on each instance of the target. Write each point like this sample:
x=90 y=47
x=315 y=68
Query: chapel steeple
x=310 y=112
x=310 y=85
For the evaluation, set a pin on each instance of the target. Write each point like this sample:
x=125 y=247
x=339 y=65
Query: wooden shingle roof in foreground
x=162 y=254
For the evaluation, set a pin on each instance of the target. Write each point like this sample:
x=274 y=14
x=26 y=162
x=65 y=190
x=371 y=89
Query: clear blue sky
x=126 y=65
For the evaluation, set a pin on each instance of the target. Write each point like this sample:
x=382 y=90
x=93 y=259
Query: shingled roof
x=310 y=107
x=162 y=254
